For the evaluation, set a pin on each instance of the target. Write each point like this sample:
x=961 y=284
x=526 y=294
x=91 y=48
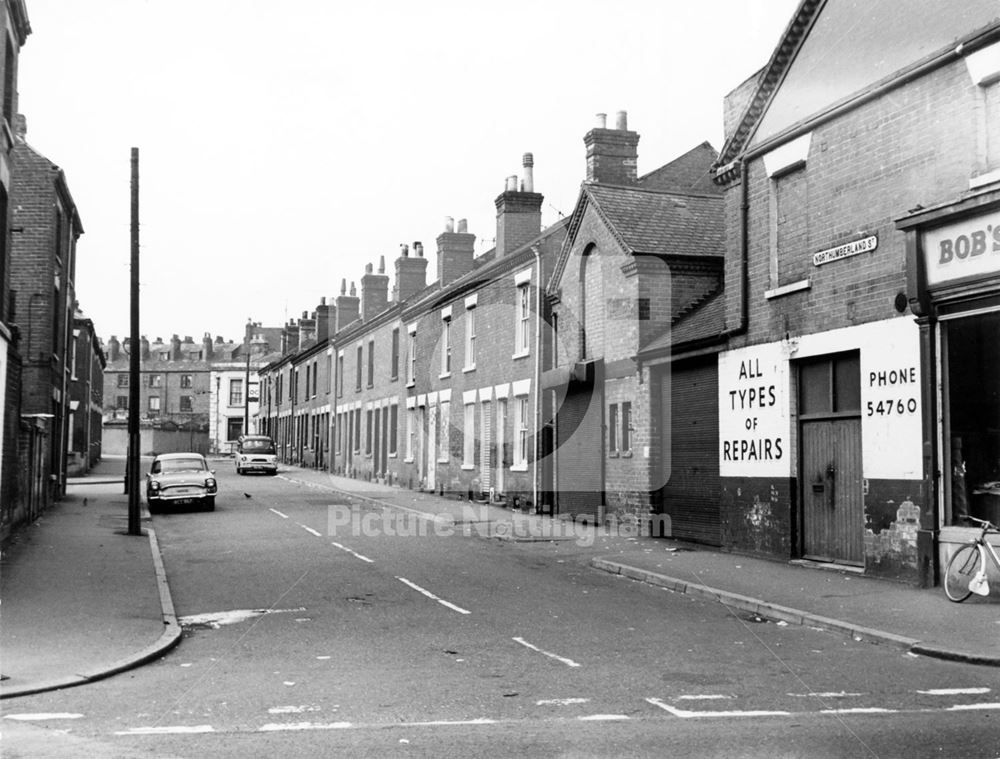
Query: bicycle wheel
x=964 y=564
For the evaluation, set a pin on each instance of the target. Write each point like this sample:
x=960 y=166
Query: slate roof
x=661 y=223
x=704 y=322
x=689 y=173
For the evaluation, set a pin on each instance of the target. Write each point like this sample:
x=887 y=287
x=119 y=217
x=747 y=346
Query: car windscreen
x=257 y=446
x=178 y=465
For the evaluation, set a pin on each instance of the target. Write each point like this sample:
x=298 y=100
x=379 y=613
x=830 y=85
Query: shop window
x=972 y=417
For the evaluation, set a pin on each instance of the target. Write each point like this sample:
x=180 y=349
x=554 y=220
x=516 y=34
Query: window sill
x=522 y=354
x=612 y=454
x=468 y=467
x=446 y=375
x=411 y=383
x=393 y=455
x=408 y=460
x=442 y=461
x=626 y=454
x=519 y=468
x=794 y=287
x=469 y=368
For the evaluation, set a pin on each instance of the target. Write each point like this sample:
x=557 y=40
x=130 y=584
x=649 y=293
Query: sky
x=283 y=146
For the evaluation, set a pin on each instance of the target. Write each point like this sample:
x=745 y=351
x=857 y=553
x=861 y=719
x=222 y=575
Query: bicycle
x=966 y=572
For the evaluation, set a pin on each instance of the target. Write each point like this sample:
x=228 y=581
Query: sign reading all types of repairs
x=753 y=412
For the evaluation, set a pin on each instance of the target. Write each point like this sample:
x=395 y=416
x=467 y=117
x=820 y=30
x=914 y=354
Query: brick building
x=16 y=28
x=45 y=227
x=86 y=397
x=438 y=389
x=861 y=295
x=636 y=281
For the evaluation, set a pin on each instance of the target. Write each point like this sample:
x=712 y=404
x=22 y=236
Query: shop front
x=953 y=282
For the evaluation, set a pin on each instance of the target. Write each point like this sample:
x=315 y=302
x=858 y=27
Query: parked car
x=256 y=453
x=180 y=478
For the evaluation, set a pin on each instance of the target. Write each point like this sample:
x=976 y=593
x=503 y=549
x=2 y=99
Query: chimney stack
x=290 y=337
x=519 y=213
x=324 y=323
x=347 y=306
x=307 y=329
x=455 y=252
x=374 y=291
x=175 y=348
x=411 y=272
x=114 y=349
x=206 y=347
x=612 y=154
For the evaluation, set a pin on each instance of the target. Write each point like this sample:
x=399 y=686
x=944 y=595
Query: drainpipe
x=538 y=376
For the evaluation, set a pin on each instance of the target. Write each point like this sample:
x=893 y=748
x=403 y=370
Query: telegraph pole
x=132 y=462
x=246 y=383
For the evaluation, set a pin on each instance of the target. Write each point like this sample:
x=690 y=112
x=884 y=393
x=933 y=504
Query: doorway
x=831 y=478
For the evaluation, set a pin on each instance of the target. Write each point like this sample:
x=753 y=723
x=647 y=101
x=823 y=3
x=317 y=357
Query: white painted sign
x=891 y=426
x=845 y=251
x=891 y=416
x=967 y=248
x=754 y=422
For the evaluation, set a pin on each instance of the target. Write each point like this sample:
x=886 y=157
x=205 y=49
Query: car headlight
x=210 y=483
x=243 y=458
x=154 y=485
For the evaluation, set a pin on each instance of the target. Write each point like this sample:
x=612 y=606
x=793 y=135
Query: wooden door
x=833 y=500
x=831 y=471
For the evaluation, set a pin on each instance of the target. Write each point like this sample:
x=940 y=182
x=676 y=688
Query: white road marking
x=39 y=716
x=972 y=707
x=702 y=698
x=829 y=694
x=603 y=717
x=561 y=701
x=430 y=595
x=276 y=727
x=310 y=530
x=353 y=553
x=447 y=722
x=292 y=709
x=685 y=714
x=954 y=691
x=283 y=516
x=860 y=710
x=167 y=730
x=216 y=619
x=564 y=660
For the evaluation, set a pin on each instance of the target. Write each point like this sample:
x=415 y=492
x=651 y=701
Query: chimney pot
x=463 y=226
x=322 y=300
x=343 y=287
x=449 y=224
x=354 y=290
x=381 y=264
x=528 y=162
x=512 y=183
x=418 y=248
x=621 y=121
x=404 y=250
x=602 y=121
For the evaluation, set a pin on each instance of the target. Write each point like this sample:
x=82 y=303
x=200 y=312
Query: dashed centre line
x=310 y=530
x=954 y=691
x=433 y=597
x=283 y=516
x=563 y=659
x=355 y=554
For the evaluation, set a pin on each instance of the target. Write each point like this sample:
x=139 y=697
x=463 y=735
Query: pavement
x=84 y=600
